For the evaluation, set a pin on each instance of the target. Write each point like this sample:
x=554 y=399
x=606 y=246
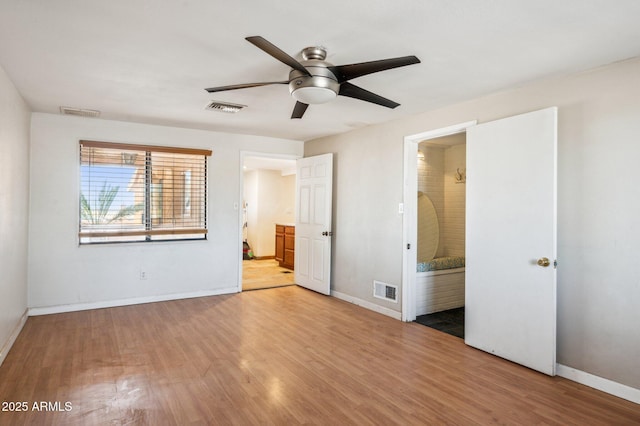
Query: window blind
x=134 y=192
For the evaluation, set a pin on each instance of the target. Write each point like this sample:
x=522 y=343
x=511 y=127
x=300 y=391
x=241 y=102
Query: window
x=141 y=193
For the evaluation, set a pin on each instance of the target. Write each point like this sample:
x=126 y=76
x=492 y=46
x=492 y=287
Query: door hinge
x=408 y=246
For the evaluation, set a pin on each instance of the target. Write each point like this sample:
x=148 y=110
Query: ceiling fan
x=315 y=81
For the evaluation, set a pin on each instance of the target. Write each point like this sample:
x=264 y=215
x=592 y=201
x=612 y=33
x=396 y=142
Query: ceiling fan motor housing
x=322 y=86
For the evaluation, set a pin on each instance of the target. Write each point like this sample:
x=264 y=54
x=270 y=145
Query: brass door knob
x=544 y=262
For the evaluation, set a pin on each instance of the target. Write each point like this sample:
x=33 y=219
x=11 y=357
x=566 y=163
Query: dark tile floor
x=450 y=322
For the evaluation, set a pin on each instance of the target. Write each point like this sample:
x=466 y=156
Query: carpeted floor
x=450 y=321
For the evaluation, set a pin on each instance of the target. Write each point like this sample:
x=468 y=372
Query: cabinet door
x=289 y=256
x=289 y=244
x=279 y=246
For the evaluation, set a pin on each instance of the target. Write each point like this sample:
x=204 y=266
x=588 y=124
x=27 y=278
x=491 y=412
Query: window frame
x=172 y=233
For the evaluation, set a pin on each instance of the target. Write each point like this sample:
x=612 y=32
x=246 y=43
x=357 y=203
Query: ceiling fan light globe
x=314 y=95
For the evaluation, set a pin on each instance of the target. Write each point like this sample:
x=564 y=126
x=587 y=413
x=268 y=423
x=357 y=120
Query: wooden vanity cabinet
x=285 y=245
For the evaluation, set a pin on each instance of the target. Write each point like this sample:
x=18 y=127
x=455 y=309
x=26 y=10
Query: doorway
x=440 y=273
x=410 y=207
x=510 y=238
x=267 y=202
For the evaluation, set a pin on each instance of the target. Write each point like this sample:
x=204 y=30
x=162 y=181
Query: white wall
x=250 y=196
x=62 y=273
x=14 y=205
x=272 y=201
x=288 y=199
x=599 y=206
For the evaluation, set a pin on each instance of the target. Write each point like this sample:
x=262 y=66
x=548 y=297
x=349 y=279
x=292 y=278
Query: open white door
x=510 y=306
x=314 y=180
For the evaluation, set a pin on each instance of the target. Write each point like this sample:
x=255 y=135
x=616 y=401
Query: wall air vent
x=385 y=291
x=224 y=107
x=79 y=112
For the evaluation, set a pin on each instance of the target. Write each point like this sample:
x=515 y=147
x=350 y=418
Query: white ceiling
x=149 y=61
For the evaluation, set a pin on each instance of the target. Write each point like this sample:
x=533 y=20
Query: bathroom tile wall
x=454 y=200
x=431 y=183
x=436 y=178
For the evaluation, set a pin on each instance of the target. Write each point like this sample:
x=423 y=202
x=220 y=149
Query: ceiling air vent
x=224 y=107
x=79 y=112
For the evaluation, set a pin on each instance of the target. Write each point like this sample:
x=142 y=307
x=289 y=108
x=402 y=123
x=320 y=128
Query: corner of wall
x=15 y=122
x=13 y=336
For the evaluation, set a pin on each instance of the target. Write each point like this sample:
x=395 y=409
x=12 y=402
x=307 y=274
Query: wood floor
x=281 y=356
x=264 y=273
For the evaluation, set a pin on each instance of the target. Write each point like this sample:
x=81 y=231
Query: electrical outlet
x=143 y=275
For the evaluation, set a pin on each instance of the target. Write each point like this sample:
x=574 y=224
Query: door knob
x=544 y=262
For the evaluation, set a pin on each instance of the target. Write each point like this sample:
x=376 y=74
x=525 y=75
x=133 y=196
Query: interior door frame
x=238 y=205
x=410 y=211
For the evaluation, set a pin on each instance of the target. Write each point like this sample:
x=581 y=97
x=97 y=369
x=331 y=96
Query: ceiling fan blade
x=243 y=86
x=274 y=51
x=299 y=109
x=353 y=91
x=348 y=72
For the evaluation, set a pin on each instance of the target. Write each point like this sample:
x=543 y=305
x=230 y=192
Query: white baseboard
x=371 y=306
x=596 y=382
x=46 y=310
x=13 y=336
